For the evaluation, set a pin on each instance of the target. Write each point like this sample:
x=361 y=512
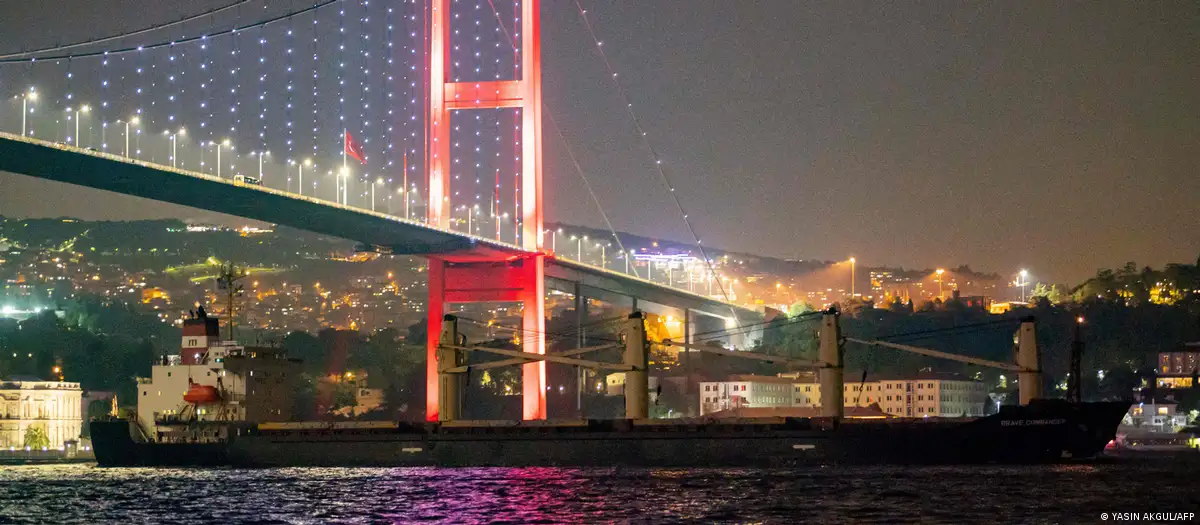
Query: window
x=1162 y=411
x=808 y=389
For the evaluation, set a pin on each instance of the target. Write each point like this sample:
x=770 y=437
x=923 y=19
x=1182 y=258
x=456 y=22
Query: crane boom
x=531 y=357
x=940 y=355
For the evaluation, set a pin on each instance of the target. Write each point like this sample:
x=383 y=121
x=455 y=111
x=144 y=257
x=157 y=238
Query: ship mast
x=228 y=280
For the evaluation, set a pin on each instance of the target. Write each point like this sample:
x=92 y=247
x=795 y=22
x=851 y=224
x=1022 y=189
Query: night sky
x=1059 y=137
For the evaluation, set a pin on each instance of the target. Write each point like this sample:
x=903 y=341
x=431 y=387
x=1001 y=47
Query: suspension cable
x=588 y=185
x=124 y=35
x=566 y=144
x=658 y=164
x=168 y=43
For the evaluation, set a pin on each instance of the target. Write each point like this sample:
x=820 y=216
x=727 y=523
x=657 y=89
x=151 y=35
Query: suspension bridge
x=411 y=128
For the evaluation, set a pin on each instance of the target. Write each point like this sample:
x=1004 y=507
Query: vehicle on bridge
x=245 y=179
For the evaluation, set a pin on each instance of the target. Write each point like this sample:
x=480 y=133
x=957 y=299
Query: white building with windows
x=927 y=395
x=746 y=391
x=52 y=406
x=1152 y=416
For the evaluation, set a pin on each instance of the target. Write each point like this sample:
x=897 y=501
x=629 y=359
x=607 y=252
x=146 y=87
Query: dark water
x=892 y=494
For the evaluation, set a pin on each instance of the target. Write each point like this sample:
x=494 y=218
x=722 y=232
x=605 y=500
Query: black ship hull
x=1045 y=431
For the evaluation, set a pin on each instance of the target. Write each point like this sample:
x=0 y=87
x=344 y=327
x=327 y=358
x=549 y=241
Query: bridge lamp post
x=343 y=178
x=603 y=255
x=219 y=145
x=25 y=98
x=134 y=121
x=174 y=162
x=260 y=155
x=376 y=183
x=300 y=166
x=939 y=280
x=81 y=109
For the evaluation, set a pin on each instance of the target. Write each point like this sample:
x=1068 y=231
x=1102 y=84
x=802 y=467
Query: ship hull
x=1043 y=432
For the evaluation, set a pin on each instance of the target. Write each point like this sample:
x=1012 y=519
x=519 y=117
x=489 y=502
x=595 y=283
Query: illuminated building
x=29 y=402
x=926 y=395
x=1176 y=369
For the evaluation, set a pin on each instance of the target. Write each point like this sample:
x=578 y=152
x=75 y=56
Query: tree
x=35 y=437
x=344 y=395
x=800 y=308
x=1053 y=293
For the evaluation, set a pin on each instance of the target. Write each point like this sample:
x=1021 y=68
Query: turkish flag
x=354 y=149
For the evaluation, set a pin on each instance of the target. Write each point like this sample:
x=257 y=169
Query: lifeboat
x=198 y=394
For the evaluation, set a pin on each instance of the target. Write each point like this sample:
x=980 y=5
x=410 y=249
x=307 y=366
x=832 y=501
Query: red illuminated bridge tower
x=482 y=274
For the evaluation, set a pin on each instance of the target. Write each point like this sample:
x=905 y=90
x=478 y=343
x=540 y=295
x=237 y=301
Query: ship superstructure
x=210 y=386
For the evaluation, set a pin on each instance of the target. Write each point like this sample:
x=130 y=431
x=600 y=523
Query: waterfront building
x=745 y=391
x=48 y=407
x=1155 y=416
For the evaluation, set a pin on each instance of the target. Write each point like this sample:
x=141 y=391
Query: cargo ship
x=1044 y=431
x=232 y=407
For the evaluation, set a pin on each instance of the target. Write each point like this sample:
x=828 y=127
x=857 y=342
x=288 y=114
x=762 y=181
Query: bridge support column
x=637 y=381
x=518 y=280
x=1029 y=358
x=533 y=338
x=450 y=385
x=830 y=356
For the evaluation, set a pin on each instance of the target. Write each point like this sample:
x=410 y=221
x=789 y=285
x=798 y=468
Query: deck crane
x=452 y=363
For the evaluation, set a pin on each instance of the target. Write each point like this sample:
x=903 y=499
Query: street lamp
x=219 y=145
x=343 y=179
x=939 y=280
x=852 y=261
x=25 y=98
x=82 y=109
x=260 y=155
x=579 y=247
x=377 y=182
x=603 y=257
x=174 y=162
x=1022 y=281
x=133 y=120
x=301 y=165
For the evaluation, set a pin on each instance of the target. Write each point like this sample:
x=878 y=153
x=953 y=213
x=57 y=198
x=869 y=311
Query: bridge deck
x=104 y=171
